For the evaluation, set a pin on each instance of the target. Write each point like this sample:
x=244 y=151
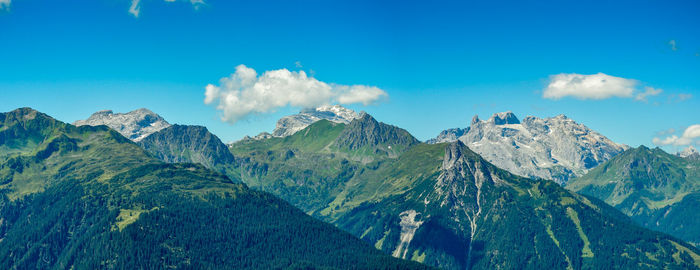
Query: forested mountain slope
x=444 y=205
x=659 y=190
x=88 y=198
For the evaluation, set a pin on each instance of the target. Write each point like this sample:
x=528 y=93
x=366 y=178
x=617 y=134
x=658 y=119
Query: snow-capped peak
x=289 y=125
x=688 y=151
x=135 y=125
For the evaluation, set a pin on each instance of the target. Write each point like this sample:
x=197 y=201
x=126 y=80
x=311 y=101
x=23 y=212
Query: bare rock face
x=448 y=135
x=135 y=125
x=181 y=143
x=289 y=125
x=689 y=153
x=555 y=148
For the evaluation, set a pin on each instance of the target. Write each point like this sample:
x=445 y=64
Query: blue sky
x=439 y=62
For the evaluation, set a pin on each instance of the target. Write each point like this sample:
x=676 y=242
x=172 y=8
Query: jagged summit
x=366 y=139
x=135 y=125
x=23 y=110
x=475 y=120
x=289 y=125
x=181 y=143
x=21 y=114
x=332 y=112
x=690 y=153
x=448 y=135
x=504 y=118
x=555 y=148
x=365 y=131
x=104 y=112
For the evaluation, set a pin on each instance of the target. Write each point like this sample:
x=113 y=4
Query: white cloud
x=359 y=94
x=648 y=91
x=5 y=4
x=595 y=86
x=135 y=8
x=690 y=135
x=244 y=92
x=672 y=44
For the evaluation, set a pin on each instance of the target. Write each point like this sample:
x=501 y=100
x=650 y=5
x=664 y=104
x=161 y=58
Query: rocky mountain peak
x=365 y=117
x=366 y=131
x=182 y=143
x=475 y=120
x=289 y=125
x=334 y=111
x=24 y=113
x=103 y=112
x=555 y=148
x=135 y=125
x=448 y=135
x=504 y=118
x=453 y=152
x=689 y=152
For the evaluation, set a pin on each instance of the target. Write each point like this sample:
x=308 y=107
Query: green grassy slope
x=193 y=144
x=87 y=198
x=445 y=206
x=657 y=189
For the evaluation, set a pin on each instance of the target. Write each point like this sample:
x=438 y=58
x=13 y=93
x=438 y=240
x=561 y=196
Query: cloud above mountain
x=595 y=86
x=244 y=93
x=135 y=7
x=691 y=135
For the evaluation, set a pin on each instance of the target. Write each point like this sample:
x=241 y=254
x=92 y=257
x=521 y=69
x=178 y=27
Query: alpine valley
x=439 y=203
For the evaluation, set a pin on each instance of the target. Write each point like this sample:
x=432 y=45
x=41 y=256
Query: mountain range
x=135 y=125
x=88 y=198
x=555 y=148
x=658 y=190
x=442 y=203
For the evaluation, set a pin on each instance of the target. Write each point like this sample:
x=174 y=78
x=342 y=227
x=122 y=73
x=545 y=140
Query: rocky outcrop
x=555 y=148
x=289 y=125
x=135 y=125
x=448 y=135
x=194 y=144
x=689 y=153
x=365 y=131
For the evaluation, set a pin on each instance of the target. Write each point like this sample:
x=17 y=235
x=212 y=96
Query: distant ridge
x=289 y=125
x=659 y=190
x=555 y=148
x=195 y=144
x=367 y=133
x=135 y=125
